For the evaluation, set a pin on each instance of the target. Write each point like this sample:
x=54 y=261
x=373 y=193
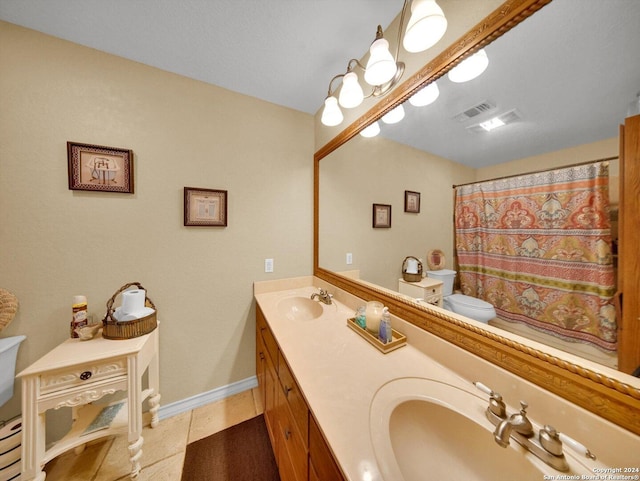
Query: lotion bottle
x=384 y=332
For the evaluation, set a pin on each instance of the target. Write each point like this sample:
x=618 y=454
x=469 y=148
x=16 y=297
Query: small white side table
x=429 y=290
x=77 y=373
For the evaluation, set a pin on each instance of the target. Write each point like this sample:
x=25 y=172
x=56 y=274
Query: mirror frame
x=605 y=396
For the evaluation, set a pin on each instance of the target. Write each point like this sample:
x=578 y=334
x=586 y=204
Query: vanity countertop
x=339 y=372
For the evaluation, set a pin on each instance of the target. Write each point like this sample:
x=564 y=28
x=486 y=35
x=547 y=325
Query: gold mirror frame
x=607 y=397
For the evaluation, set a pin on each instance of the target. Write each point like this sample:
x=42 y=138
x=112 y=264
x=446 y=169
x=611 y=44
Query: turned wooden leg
x=135 y=453
x=154 y=406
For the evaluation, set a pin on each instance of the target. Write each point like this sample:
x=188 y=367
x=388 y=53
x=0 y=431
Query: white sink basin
x=425 y=429
x=300 y=308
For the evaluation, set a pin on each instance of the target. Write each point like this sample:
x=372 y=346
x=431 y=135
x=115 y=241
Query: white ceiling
x=286 y=51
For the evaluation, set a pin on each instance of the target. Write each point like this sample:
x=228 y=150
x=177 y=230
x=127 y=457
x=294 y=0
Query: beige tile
x=168 y=439
x=79 y=467
x=222 y=414
x=168 y=469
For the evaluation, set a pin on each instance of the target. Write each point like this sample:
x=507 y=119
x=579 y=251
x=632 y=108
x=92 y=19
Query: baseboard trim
x=205 y=398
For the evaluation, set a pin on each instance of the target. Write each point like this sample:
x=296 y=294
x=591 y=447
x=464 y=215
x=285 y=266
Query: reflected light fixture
x=470 y=67
x=491 y=124
x=426 y=96
x=371 y=131
x=383 y=70
x=426 y=26
x=394 y=116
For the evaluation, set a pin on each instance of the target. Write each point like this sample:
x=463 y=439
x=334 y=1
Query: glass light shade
x=394 y=116
x=469 y=68
x=426 y=26
x=371 y=131
x=331 y=115
x=426 y=96
x=351 y=94
x=381 y=66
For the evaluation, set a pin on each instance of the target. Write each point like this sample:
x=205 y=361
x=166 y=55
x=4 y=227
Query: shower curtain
x=538 y=247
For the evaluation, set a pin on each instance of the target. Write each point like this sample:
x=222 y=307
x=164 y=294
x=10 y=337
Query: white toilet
x=468 y=306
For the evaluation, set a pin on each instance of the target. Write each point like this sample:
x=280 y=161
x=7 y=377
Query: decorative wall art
x=381 y=216
x=98 y=168
x=411 y=202
x=205 y=207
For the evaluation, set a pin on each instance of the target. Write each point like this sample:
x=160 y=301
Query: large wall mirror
x=555 y=44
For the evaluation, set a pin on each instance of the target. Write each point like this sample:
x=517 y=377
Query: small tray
x=397 y=339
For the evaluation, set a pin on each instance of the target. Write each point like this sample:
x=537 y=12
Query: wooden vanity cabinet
x=298 y=444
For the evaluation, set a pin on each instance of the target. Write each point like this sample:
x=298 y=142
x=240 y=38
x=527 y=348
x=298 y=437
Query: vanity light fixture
x=383 y=70
x=426 y=26
x=371 y=130
x=331 y=115
x=394 y=116
x=426 y=96
x=469 y=68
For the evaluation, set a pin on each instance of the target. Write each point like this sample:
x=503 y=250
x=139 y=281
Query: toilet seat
x=470 y=302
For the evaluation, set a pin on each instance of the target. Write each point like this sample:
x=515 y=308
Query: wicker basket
x=411 y=277
x=112 y=329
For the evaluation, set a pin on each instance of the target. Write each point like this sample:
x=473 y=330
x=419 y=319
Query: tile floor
x=164 y=447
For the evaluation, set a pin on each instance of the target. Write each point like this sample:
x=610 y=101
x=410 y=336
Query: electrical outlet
x=268 y=265
x=349 y=258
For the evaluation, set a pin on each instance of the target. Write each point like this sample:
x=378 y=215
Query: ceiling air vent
x=495 y=122
x=470 y=113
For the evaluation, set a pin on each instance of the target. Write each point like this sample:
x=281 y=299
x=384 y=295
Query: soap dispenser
x=385 y=333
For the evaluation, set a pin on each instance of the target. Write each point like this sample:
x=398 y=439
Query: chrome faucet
x=516 y=422
x=547 y=445
x=323 y=296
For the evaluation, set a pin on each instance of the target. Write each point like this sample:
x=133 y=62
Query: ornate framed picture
x=98 y=168
x=411 y=201
x=381 y=216
x=205 y=207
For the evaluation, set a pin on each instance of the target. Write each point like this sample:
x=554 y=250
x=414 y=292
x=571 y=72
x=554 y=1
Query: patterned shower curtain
x=538 y=247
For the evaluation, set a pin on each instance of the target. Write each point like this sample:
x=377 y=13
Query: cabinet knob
x=287 y=434
x=85 y=375
x=287 y=390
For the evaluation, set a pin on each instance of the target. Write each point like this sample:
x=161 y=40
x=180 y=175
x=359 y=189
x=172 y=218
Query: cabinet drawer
x=293 y=397
x=88 y=373
x=292 y=451
x=267 y=337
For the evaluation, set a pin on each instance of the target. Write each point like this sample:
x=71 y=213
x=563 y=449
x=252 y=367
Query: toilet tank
x=447 y=277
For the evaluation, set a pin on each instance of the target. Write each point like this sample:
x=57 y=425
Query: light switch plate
x=268 y=265
x=349 y=258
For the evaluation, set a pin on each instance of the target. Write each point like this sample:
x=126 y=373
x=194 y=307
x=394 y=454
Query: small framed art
x=411 y=202
x=205 y=207
x=98 y=168
x=381 y=216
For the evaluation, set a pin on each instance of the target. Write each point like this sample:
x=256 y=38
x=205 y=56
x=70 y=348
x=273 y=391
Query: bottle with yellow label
x=79 y=318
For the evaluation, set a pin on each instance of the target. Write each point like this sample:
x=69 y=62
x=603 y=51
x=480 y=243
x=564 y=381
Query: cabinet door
x=292 y=453
x=321 y=463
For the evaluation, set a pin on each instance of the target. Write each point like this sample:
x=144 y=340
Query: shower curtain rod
x=537 y=171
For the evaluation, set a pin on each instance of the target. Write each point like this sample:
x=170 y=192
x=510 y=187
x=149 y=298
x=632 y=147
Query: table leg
x=33 y=432
x=135 y=453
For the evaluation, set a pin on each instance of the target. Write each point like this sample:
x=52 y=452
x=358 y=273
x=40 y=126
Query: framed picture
x=381 y=215
x=411 y=201
x=205 y=207
x=101 y=169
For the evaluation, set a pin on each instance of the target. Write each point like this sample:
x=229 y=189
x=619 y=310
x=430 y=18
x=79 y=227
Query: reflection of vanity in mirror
x=364 y=171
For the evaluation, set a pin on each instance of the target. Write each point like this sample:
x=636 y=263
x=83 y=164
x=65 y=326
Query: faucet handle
x=496 y=407
x=552 y=441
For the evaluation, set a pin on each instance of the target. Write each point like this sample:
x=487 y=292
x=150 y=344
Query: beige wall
x=376 y=170
x=55 y=243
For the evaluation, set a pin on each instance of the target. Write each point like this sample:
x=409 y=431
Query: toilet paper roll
x=120 y=316
x=133 y=301
x=412 y=266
